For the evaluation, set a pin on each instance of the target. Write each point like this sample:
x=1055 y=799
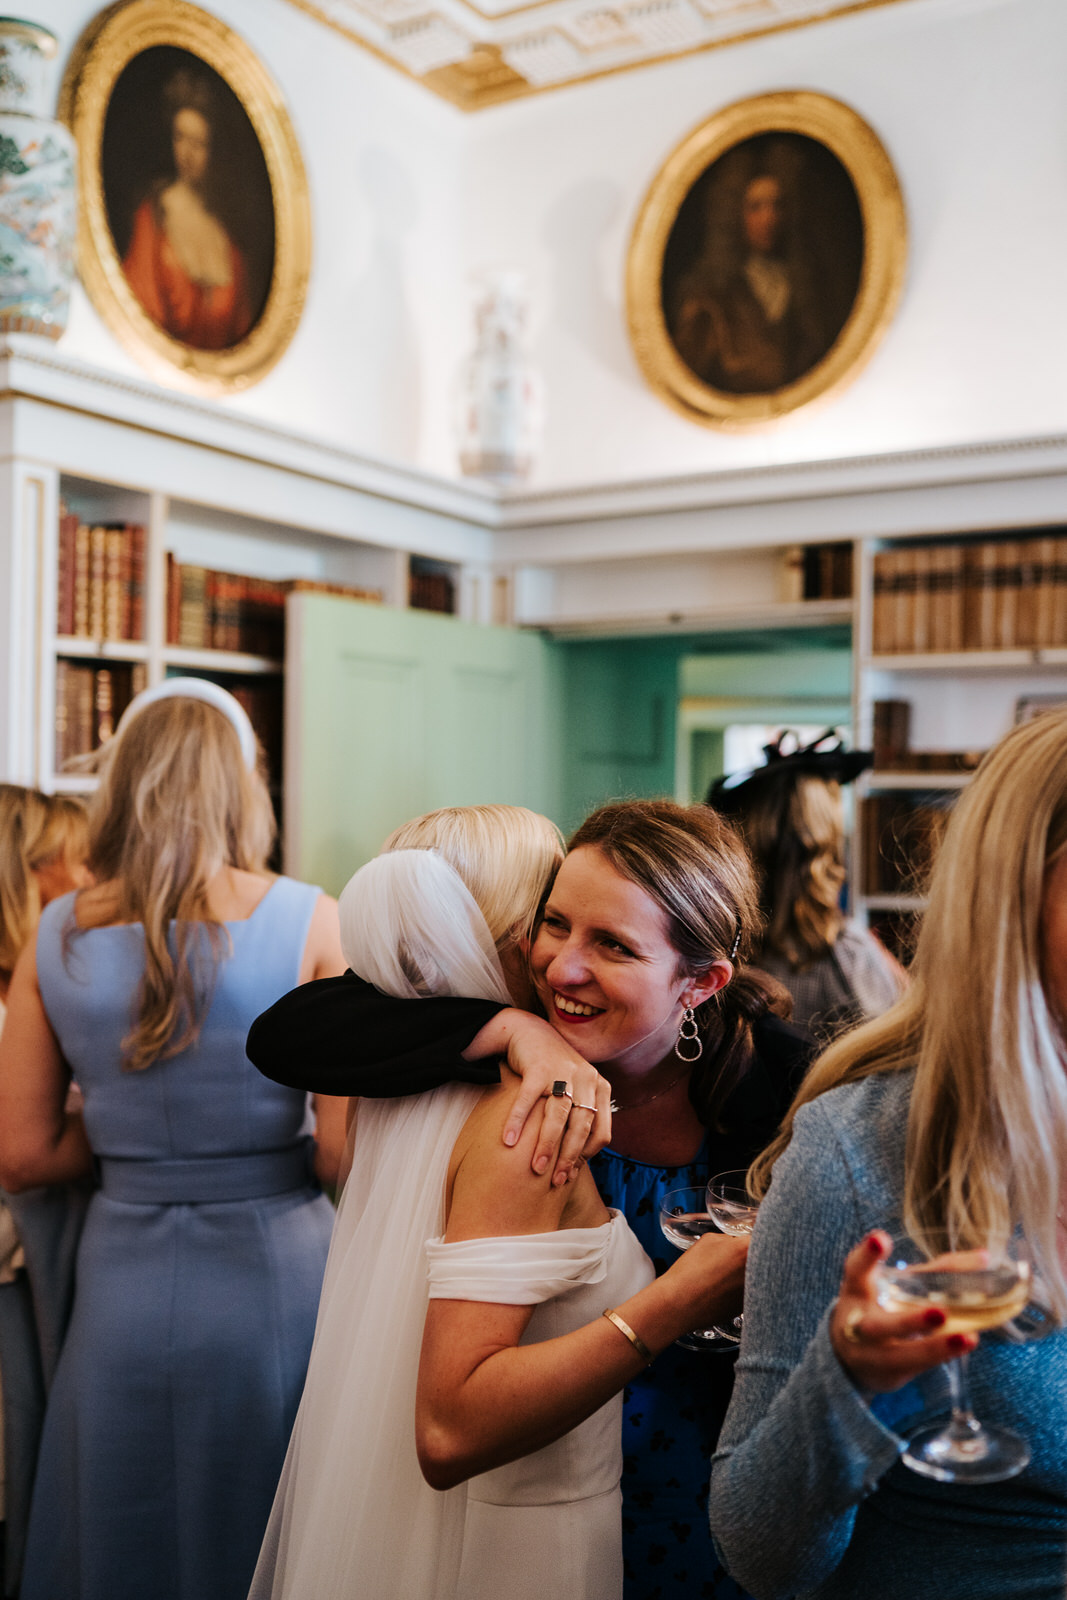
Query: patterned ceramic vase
x=500 y=408
x=38 y=189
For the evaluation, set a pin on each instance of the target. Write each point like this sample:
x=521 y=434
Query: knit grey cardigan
x=808 y=1497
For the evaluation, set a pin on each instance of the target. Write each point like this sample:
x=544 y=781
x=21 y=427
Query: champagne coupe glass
x=977 y=1290
x=734 y=1211
x=683 y=1219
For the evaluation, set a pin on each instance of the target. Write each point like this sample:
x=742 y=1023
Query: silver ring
x=560 y=1090
x=576 y=1105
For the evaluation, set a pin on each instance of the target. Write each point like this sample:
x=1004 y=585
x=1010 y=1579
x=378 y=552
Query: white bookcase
x=960 y=701
x=195 y=534
x=212 y=489
x=221 y=488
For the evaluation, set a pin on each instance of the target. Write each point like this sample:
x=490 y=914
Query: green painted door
x=392 y=713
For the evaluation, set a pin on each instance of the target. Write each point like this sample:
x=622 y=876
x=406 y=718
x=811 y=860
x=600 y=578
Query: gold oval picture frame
x=767 y=260
x=194 y=235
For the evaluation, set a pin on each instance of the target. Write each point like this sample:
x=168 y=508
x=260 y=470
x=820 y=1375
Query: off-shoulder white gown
x=353 y=1518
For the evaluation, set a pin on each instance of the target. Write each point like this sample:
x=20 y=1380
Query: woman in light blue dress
x=202 y=1256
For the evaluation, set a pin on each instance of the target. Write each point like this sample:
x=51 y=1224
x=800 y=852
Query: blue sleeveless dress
x=198 y=1278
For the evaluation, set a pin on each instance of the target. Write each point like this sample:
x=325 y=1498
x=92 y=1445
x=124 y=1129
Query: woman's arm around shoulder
x=341 y=1036
x=40 y=1141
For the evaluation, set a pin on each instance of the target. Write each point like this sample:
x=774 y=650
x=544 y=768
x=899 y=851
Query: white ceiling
x=479 y=52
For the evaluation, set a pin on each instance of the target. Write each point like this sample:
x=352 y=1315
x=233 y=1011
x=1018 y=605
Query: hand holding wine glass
x=976 y=1290
x=929 y=1307
x=883 y=1348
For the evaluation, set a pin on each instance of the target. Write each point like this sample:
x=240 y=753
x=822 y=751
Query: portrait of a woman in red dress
x=189 y=200
x=182 y=264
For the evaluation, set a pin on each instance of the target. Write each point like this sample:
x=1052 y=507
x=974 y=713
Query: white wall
x=966 y=95
x=372 y=363
x=409 y=196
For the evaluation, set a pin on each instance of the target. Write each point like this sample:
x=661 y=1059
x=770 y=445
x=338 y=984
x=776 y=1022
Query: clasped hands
x=575 y=1123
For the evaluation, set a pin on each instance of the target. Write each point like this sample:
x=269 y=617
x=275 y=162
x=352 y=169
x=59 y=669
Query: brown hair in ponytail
x=693 y=864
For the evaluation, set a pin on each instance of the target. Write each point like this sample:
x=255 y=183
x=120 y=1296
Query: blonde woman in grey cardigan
x=948 y=1113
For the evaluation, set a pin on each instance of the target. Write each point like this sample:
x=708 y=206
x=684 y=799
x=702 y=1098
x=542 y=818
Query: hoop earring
x=688 y=1039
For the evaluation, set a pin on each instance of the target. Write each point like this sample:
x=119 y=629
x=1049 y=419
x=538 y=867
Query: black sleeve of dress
x=752 y=1114
x=340 y=1036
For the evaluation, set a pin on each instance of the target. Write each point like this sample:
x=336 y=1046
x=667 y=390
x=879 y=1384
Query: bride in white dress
x=460 y=1339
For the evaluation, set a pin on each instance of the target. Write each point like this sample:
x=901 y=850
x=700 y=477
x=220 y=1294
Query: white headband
x=199 y=689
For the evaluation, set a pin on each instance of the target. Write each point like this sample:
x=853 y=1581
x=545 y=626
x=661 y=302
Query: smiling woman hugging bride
x=650 y=916
x=506 y=1354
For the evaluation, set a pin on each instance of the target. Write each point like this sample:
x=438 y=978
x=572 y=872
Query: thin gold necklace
x=646 y=1100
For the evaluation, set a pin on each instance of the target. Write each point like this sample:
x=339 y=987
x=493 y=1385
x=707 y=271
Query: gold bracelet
x=628 y=1333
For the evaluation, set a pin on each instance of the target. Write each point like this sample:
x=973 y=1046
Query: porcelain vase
x=500 y=402
x=38 y=189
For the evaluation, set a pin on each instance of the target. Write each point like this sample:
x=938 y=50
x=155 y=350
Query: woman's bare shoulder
x=494 y=1192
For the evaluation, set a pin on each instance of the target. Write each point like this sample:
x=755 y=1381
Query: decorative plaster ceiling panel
x=479 y=52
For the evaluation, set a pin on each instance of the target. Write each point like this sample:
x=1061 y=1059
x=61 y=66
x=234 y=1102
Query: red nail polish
x=874 y=1244
x=934 y=1318
x=959 y=1342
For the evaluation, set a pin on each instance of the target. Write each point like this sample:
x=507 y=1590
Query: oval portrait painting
x=766 y=260
x=195 y=236
x=188 y=199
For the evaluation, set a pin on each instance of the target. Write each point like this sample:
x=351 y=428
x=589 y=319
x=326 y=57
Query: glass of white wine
x=977 y=1290
x=684 y=1218
x=734 y=1211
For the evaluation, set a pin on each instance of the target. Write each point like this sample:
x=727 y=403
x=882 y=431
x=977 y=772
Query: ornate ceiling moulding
x=477 y=53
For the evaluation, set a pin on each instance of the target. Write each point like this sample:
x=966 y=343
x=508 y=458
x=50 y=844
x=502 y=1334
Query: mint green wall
x=392 y=713
x=620 y=700
x=778 y=673
x=619 y=703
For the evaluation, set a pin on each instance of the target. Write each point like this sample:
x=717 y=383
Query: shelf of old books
x=135 y=596
x=959 y=638
x=972 y=594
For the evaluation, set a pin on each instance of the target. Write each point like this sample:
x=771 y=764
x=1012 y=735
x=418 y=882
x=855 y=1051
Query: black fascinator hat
x=826 y=757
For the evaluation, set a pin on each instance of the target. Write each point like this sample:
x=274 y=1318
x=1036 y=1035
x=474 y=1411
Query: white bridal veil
x=353 y=1516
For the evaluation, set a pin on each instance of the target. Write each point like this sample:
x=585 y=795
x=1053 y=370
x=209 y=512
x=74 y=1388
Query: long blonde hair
x=35 y=829
x=506 y=855
x=987 y=1122
x=176 y=803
